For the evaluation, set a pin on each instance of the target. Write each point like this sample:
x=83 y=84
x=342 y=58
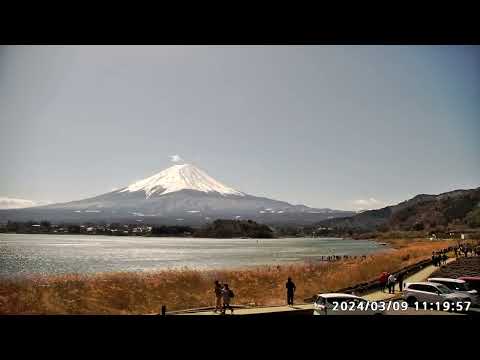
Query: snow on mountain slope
x=180 y=177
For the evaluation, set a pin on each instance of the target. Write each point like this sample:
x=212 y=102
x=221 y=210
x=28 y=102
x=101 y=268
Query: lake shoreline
x=146 y=292
x=183 y=237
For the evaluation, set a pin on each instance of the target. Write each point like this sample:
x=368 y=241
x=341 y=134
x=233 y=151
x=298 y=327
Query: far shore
x=186 y=237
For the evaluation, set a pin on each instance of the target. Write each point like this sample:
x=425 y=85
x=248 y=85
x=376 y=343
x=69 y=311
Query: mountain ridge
x=459 y=207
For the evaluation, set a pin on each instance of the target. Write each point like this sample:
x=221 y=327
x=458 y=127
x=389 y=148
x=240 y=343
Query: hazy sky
x=327 y=126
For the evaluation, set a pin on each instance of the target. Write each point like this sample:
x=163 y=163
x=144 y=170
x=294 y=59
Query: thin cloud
x=176 y=158
x=12 y=203
x=367 y=204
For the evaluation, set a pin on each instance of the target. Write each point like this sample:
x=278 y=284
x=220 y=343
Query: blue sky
x=345 y=127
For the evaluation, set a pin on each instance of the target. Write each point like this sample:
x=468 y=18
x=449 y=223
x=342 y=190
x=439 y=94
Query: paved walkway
x=257 y=310
x=421 y=275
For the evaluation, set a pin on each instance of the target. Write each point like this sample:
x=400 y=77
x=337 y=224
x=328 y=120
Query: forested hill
x=422 y=212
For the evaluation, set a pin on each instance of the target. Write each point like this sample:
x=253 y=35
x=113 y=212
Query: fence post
x=164 y=310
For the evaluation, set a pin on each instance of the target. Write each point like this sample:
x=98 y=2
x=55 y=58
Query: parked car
x=473 y=282
x=458 y=285
x=431 y=293
x=342 y=304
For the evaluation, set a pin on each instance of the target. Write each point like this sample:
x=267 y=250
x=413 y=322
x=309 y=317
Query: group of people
x=338 y=257
x=439 y=257
x=388 y=280
x=465 y=250
x=223 y=295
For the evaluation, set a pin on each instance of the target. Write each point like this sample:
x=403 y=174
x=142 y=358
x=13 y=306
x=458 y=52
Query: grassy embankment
x=139 y=293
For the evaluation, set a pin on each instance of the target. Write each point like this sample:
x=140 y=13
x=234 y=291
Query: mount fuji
x=180 y=194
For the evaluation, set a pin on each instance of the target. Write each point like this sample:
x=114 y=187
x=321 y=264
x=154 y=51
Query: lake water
x=58 y=254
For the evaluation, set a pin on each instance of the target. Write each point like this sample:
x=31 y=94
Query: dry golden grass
x=141 y=293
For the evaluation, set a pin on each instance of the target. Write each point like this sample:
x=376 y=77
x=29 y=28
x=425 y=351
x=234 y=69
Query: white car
x=342 y=304
x=457 y=285
x=431 y=293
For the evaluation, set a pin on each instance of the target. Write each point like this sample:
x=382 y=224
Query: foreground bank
x=140 y=293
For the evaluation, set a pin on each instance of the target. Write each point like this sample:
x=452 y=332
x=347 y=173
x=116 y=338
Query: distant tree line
x=175 y=230
x=235 y=228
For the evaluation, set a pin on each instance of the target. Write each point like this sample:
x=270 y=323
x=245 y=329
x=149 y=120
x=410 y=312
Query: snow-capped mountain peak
x=180 y=177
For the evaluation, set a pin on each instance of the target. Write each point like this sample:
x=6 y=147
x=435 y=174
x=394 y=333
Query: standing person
x=400 y=281
x=391 y=284
x=290 y=285
x=383 y=280
x=218 y=296
x=227 y=294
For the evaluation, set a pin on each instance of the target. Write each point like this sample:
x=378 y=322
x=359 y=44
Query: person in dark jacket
x=227 y=295
x=290 y=285
x=400 y=281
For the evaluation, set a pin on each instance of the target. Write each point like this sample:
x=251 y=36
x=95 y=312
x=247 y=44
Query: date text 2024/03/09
x=399 y=306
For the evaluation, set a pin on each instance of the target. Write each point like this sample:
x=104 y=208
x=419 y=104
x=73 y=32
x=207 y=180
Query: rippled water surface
x=49 y=254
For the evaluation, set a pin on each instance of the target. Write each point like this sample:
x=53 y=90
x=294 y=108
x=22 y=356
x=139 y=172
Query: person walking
x=218 y=296
x=391 y=284
x=290 y=285
x=227 y=295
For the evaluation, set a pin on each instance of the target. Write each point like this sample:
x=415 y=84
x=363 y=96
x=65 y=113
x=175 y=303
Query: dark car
x=472 y=281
